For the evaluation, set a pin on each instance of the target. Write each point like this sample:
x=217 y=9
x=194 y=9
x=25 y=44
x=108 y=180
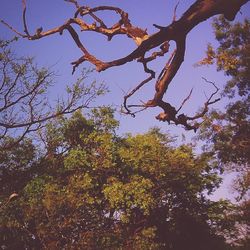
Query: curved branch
x=172 y=68
x=177 y=31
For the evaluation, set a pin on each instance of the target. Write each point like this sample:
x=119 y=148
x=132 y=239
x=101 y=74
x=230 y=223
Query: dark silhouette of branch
x=185 y=100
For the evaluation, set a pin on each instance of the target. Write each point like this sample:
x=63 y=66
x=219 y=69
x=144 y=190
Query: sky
x=58 y=51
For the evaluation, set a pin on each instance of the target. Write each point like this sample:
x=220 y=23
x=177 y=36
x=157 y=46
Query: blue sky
x=58 y=51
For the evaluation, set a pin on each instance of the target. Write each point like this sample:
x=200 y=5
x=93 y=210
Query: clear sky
x=58 y=51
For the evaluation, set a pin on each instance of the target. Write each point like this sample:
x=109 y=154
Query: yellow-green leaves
x=135 y=193
x=80 y=190
x=77 y=159
x=109 y=192
x=145 y=153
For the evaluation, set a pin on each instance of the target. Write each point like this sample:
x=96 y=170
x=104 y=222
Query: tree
x=177 y=31
x=24 y=103
x=228 y=130
x=110 y=192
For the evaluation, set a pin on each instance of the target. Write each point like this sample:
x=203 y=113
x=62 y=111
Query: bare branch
x=170 y=114
x=14 y=30
x=24 y=18
x=132 y=93
x=24 y=104
x=175 y=9
x=74 y=2
x=207 y=103
x=177 y=31
x=184 y=101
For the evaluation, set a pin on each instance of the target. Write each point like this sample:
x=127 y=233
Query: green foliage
x=232 y=55
x=95 y=190
x=134 y=194
x=16 y=166
x=228 y=130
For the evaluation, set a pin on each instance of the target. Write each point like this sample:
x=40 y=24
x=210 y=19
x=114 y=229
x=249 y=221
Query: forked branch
x=177 y=31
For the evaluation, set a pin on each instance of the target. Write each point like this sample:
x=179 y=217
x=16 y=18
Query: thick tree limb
x=177 y=31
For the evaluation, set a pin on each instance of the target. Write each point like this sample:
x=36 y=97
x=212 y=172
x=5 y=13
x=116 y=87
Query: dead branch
x=177 y=31
x=207 y=103
x=24 y=19
x=185 y=100
x=170 y=114
x=175 y=9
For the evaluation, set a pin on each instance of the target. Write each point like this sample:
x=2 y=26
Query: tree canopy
x=228 y=130
x=96 y=190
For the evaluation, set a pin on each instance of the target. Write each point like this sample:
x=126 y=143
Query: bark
x=177 y=31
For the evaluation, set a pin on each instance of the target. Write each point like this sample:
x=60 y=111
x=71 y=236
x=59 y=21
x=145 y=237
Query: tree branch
x=177 y=31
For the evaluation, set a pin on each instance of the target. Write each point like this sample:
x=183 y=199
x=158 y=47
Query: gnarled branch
x=177 y=31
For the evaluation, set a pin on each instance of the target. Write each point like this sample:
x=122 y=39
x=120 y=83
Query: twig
x=24 y=18
x=14 y=30
x=184 y=101
x=175 y=9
